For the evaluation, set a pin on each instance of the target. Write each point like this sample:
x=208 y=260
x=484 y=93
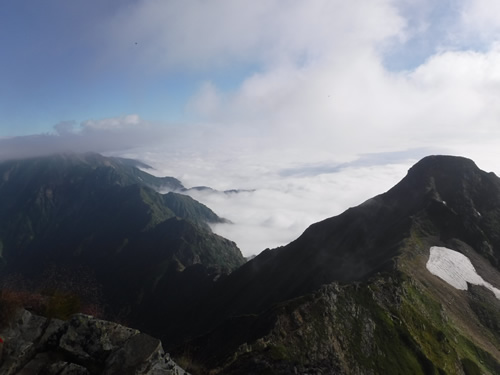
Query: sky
x=312 y=106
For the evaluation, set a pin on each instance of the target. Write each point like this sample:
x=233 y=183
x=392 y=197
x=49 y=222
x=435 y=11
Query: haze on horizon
x=316 y=105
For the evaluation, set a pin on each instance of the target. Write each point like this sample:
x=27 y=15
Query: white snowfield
x=456 y=269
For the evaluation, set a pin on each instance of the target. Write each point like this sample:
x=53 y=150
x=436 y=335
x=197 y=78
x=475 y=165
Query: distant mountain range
x=354 y=294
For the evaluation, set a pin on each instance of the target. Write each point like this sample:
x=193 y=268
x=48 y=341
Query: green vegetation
x=470 y=367
x=154 y=255
x=388 y=325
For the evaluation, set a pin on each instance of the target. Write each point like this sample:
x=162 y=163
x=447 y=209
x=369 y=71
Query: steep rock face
x=352 y=295
x=388 y=325
x=82 y=345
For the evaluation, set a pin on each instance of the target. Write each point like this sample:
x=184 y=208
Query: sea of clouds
x=332 y=103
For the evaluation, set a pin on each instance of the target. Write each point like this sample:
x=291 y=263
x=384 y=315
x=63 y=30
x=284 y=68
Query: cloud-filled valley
x=278 y=210
x=283 y=100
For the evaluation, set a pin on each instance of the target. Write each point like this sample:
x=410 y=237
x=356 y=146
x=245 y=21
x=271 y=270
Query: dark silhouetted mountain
x=352 y=295
x=102 y=214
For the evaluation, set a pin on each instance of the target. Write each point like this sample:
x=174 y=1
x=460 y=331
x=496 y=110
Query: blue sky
x=82 y=60
x=55 y=69
x=237 y=94
x=61 y=65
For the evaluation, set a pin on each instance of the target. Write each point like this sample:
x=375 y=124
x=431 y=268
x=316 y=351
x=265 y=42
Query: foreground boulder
x=82 y=345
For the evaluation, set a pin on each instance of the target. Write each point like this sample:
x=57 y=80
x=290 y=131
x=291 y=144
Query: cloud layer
x=202 y=35
x=285 y=97
x=279 y=210
x=104 y=136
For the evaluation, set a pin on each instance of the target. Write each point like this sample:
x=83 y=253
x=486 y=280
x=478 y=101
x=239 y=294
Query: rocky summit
x=81 y=345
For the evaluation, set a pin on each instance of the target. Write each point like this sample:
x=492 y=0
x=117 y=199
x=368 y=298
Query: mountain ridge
x=372 y=258
x=372 y=215
x=103 y=214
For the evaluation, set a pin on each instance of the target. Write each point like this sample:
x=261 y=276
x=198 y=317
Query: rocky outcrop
x=83 y=345
x=390 y=324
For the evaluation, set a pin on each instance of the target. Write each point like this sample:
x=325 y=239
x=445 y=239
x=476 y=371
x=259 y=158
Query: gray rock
x=137 y=356
x=142 y=354
x=36 y=365
x=90 y=339
x=20 y=341
x=83 y=345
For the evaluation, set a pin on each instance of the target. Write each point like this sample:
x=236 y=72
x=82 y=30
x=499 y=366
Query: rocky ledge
x=82 y=345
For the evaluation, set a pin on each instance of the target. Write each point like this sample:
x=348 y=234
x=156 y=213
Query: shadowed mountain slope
x=102 y=214
x=449 y=194
x=352 y=294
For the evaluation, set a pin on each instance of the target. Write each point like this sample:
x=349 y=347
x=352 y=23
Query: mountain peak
x=455 y=181
x=440 y=161
x=444 y=167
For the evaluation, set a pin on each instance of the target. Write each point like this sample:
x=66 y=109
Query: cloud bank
x=103 y=136
x=203 y=35
x=279 y=210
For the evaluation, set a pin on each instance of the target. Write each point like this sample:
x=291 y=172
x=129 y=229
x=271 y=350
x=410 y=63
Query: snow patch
x=456 y=269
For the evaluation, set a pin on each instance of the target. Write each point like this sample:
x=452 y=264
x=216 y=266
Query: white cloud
x=285 y=197
x=331 y=110
x=318 y=87
x=104 y=136
x=480 y=18
x=206 y=100
x=203 y=34
x=115 y=123
x=65 y=127
x=360 y=107
x=280 y=209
